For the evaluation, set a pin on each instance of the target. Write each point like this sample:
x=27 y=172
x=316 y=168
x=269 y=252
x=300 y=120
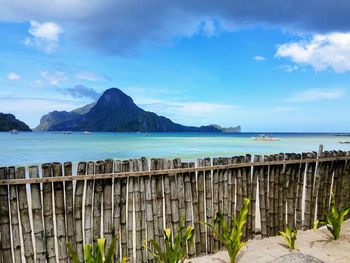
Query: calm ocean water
x=41 y=147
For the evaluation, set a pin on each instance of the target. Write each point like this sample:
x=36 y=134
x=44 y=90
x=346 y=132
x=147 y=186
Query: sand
x=319 y=244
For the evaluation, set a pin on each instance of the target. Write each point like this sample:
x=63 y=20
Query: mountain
x=236 y=129
x=114 y=111
x=56 y=117
x=9 y=122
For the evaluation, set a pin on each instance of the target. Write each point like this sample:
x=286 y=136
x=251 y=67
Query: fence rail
x=43 y=207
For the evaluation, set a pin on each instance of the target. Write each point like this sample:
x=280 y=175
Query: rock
x=296 y=258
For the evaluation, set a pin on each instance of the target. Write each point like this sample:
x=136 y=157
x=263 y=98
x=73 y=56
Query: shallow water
x=41 y=147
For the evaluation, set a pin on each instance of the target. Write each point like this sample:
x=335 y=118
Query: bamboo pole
x=280 y=196
x=295 y=186
x=48 y=215
x=78 y=212
x=107 y=205
x=271 y=196
x=229 y=196
x=16 y=239
x=117 y=208
x=221 y=191
x=255 y=174
x=144 y=167
x=215 y=197
x=123 y=225
x=250 y=197
x=5 y=218
x=308 y=195
x=69 y=207
x=175 y=218
x=167 y=195
x=225 y=192
x=288 y=189
x=326 y=185
x=88 y=205
x=155 y=210
x=38 y=226
x=158 y=164
x=60 y=214
x=244 y=192
x=25 y=220
x=138 y=213
x=314 y=185
x=130 y=217
x=97 y=205
x=195 y=219
x=301 y=176
x=187 y=199
x=201 y=209
x=262 y=200
x=209 y=205
x=180 y=193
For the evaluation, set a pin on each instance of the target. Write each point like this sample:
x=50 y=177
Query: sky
x=264 y=65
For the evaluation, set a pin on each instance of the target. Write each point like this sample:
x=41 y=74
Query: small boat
x=265 y=138
x=67 y=132
x=86 y=133
x=14 y=132
x=344 y=142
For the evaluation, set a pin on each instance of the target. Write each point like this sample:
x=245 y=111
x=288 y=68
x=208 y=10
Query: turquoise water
x=41 y=147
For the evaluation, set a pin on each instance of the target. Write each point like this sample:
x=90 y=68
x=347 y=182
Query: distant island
x=9 y=122
x=116 y=112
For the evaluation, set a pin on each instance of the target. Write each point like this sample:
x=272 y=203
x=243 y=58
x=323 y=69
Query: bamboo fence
x=43 y=207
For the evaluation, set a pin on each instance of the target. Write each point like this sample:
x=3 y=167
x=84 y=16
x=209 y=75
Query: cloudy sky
x=266 y=65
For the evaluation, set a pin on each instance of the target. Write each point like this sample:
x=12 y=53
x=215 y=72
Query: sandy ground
x=320 y=245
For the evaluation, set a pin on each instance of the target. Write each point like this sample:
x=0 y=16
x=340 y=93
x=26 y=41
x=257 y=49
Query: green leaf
x=73 y=254
x=315 y=225
x=111 y=249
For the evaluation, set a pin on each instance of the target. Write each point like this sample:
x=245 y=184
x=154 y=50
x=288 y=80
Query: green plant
x=99 y=252
x=174 y=250
x=232 y=241
x=334 y=220
x=290 y=236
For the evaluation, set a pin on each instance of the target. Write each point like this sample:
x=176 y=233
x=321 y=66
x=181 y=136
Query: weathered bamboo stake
x=336 y=180
x=24 y=215
x=167 y=195
x=14 y=218
x=215 y=197
x=138 y=213
x=229 y=196
x=188 y=203
x=254 y=181
x=226 y=195
x=221 y=192
x=78 y=212
x=271 y=196
x=159 y=197
x=250 y=197
x=123 y=226
x=289 y=190
x=175 y=218
x=130 y=218
x=70 y=226
x=117 y=208
x=149 y=208
x=180 y=193
x=262 y=200
x=319 y=185
x=308 y=195
x=38 y=226
x=295 y=186
x=201 y=209
x=209 y=205
x=244 y=194
x=313 y=191
x=107 y=205
x=5 y=218
x=234 y=185
x=144 y=167
x=299 y=202
x=326 y=185
x=88 y=204
x=0 y=249
x=60 y=212
x=342 y=186
x=156 y=232
x=195 y=221
x=239 y=187
x=48 y=215
x=281 y=199
x=97 y=205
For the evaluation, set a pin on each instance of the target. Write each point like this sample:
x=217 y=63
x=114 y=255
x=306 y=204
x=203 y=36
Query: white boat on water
x=14 y=132
x=265 y=138
x=86 y=133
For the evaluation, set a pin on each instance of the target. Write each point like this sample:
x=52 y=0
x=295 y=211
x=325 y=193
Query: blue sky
x=194 y=64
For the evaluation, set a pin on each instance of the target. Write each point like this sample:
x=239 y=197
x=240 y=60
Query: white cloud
x=259 y=58
x=321 y=52
x=91 y=76
x=289 y=68
x=316 y=95
x=53 y=78
x=13 y=76
x=209 y=28
x=45 y=35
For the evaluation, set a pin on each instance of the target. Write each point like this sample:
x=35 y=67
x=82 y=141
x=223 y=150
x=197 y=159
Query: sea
x=33 y=148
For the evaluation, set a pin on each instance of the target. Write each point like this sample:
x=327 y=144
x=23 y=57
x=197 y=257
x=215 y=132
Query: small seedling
x=334 y=220
x=98 y=256
x=290 y=236
x=231 y=240
x=174 y=251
